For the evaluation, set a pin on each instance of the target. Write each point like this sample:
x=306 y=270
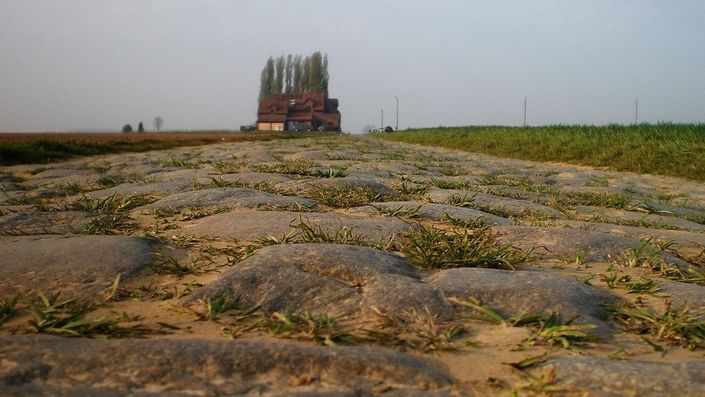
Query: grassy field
x=663 y=149
x=27 y=148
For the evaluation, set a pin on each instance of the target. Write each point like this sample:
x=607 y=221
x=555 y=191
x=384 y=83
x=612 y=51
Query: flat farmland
x=662 y=149
x=27 y=148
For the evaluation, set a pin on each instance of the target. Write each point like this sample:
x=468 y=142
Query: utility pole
x=636 y=111
x=397 y=129
x=381 y=123
x=525 y=98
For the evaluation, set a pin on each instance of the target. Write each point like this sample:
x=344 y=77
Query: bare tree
x=158 y=121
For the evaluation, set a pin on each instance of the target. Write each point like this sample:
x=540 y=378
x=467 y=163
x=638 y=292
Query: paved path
x=347 y=266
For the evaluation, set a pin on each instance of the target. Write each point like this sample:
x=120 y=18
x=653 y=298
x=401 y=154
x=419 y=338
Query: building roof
x=311 y=108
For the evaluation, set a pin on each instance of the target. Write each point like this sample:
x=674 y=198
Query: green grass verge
x=662 y=149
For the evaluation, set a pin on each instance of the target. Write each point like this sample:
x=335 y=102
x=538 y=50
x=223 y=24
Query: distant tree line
x=294 y=74
x=158 y=121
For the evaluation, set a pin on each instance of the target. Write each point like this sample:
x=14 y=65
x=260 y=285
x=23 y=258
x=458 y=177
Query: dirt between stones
x=347 y=266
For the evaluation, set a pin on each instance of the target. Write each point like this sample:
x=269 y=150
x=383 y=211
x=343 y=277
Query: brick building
x=299 y=112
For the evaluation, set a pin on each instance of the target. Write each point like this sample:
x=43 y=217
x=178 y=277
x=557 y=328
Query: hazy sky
x=98 y=64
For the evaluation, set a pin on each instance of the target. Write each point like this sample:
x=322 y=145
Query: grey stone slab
x=692 y=240
x=307 y=185
x=44 y=222
x=324 y=278
x=527 y=292
x=679 y=294
x=255 y=178
x=79 y=266
x=197 y=174
x=62 y=173
x=480 y=200
x=49 y=365
x=229 y=197
x=353 y=281
x=252 y=225
x=129 y=189
x=437 y=212
x=564 y=243
x=671 y=209
x=616 y=378
x=81 y=179
x=652 y=221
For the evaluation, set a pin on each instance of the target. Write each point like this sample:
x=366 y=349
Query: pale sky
x=98 y=64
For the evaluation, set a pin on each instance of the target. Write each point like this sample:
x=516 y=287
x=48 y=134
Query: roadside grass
x=111 y=214
x=169 y=265
x=662 y=149
x=53 y=314
x=300 y=168
x=677 y=327
x=432 y=248
x=305 y=231
x=8 y=307
x=345 y=196
x=548 y=328
x=28 y=148
x=404 y=212
x=405 y=330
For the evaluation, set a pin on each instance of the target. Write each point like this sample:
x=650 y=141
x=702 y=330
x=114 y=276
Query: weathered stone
x=307 y=155
x=162 y=367
x=323 y=278
x=612 y=378
x=80 y=266
x=229 y=197
x=525 y=292
x=498 y=203
x=81 y=180
x=683 y=239
x=251 y=225
x=61 y=173
x=672 y=209
x=564 y=243
x=385 y=167
x=129 y=189
x=679 y=294
x=352 y=281
x=255 y=178
x=194 y=175
x=438 y=212
x=653 y=221
x=44 y=222
x=306 y=186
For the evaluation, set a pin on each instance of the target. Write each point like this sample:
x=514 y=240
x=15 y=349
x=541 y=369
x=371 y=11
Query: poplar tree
x=306 y=75
x=267 y=80
x=288 y=88
x=324 y=75
x=296 y=86
x=315 y=72
x=278 y=86
x=294 y=74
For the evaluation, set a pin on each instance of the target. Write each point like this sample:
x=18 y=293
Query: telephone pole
x=636 y=111
x=397 y=128
x=525 y=98
x=381 y=123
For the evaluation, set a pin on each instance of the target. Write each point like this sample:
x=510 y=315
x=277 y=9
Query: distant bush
x=126 y=128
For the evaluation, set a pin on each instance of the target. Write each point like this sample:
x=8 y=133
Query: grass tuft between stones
x=433 y=248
